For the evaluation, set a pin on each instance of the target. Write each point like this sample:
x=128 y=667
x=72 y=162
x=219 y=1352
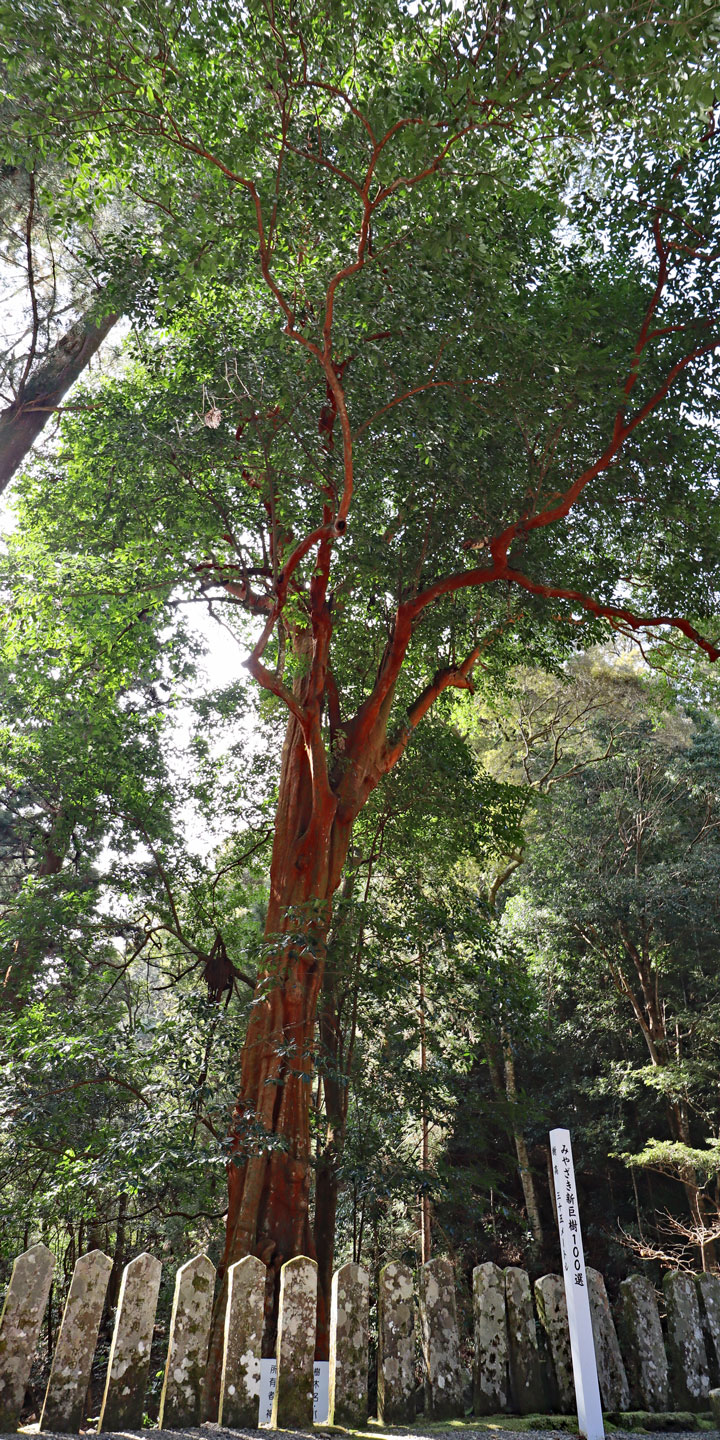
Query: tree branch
x=614 y=612
x=453 y=676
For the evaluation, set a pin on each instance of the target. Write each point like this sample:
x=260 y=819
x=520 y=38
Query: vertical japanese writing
x=587 y=1392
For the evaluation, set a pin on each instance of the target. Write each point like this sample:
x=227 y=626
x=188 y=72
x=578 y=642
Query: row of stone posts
x=527 y=1367
x=123 y=1401
x=531 y=1370
x=517 y=1364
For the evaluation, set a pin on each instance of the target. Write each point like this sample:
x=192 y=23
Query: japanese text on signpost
x=587 y=1391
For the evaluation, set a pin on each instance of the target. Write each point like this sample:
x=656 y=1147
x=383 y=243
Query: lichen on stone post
x=123 y=1405
x=552 y=1313
x=642 y=1344
x=526 y=1381
x=244 y=1318
x=689 y=1373
x=714 y=1399
x=396 y=1345
x=440 y=1340
x=708 y=1287
x=348 y=1378
x=612 y=1378
x=20 y=1322
x=293 y=1400
x=181 y=1399
x=72 y=1361
x=490 y=1361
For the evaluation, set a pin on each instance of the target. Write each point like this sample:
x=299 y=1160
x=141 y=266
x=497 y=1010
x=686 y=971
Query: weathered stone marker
x=642 y=1344
x=526 y=1382
x=714 y=1398
x=552 y=1312
x=614 y=1387
x=244 y=1317
x=490 y=1361
x=396 y=1345
x=440 y=1340
x=72 y=1361
x=582 y=1345
x=181 y=1399
x=709 y=1292
x=689 y=1372
x=20 y=1322
x=123 y=1403
x=348 y=1380
x=293 y=1399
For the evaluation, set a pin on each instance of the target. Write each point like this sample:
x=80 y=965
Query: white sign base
x=321 y=1397
x=321 y=1392
x=582 y=1345
x=268 y=1378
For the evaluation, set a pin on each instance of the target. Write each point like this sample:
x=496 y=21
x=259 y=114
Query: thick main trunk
x=269 y=1173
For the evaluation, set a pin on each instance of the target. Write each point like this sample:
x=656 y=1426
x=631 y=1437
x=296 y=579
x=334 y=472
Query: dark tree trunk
x=326 y=1179
x=326 y=1198
x=425 y=1216
x=19 y=975
x=118 y=1259
x=22 y=422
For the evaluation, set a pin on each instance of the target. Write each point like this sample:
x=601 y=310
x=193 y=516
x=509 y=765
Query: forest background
x=404 y=325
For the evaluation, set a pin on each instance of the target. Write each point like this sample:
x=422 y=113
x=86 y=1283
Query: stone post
x=526 y=1382
x=714 y=1398
x=552 y=1313
x=709 y=1292
x=72 y=1361
x=123 y=1403
x=614 y=1388
x=20 y=1323
x=181 y=1399
x=396 y=1345
x=440 y=1341
x=689 y=1372
x=348 y=1382
x=293 y=1401
x=642 y=1344
x=244 y=1319
x=490 y=1366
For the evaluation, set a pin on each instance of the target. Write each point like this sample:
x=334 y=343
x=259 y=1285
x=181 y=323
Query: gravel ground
x=217 y=1432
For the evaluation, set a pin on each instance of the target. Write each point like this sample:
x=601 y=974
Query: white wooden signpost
x=587 y=1390
x=268 y=1381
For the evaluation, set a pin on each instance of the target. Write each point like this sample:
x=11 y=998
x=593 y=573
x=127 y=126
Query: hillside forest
x=360 y=558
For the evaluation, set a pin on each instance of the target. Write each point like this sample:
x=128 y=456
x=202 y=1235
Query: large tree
x=446 y=412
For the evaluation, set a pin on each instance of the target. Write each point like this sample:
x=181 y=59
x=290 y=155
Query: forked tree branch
x=453 y=676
